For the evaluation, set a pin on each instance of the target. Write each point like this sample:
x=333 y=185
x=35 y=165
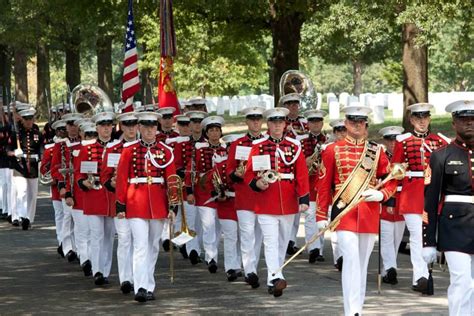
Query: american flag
x=130 y=80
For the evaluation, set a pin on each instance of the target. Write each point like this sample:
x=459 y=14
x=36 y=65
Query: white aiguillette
x=242 y=152
x=181 y=239
x=113 y=160
x=88 y=167
x=261 y=162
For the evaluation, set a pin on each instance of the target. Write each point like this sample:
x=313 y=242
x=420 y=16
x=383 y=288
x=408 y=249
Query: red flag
x=166 y=90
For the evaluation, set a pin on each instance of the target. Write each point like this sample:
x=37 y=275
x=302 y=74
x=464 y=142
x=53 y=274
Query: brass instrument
x=269 y=176
x=315 y=159
x=295 y=81
x=89 y=100
x=218 y=184
x=175 y=198
x=241 y=167
x=94 y=181
x=44 y=179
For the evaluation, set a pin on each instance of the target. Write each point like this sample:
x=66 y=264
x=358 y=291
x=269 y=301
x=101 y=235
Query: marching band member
x=97 y=201
x=185 y=151
x=206 y=154
x=61 y=171
x=296 y=124
x=312 y=145
x=141 y=197
x=451 y=230
x=59 y=127
x=416 y=151
x=5 y=163
x=129 y=127
x=249 y=230
x=352 y=165
x=182 y=124
x=224 y=193
x=392 y=224
x=277 y=171
x=25 y=179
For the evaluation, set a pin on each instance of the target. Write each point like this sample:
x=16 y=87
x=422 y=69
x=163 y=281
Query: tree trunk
x=20 y=72
x=147 y=84
x=357 y=77
x=43 y=93
x=104 y=65
x=415 y=71
x=5 y=73
x=286 y=37
x=73 y=63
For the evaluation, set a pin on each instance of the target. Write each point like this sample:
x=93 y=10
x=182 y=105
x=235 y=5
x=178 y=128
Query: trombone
x=175 y=198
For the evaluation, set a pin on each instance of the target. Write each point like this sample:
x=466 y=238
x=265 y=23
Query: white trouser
x=414 y=225
x=198 y=229
x=250 y=240
x=5 y=191
x=58 y=219
x=191 y=216
x=68 y=229
x=26 y=195
x=356 y=249
x=391 y=234
x=81 y=234
x=336 y=253
x=230 y=234
x=177 y=221
x=101 y=243
x=276 y=230
x=311 y=229
x=124 y=249
x=294 y=228
x=461 y=283
x=165 y=234
x=146 y=247
x=11 y=193
x=210 y=232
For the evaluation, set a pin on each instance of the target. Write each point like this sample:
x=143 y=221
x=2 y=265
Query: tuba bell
x=44 y=179
x=89 y=100
x=295 y=81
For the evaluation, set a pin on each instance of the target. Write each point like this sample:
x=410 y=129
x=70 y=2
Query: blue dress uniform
x=452 y=229
x=5 y=171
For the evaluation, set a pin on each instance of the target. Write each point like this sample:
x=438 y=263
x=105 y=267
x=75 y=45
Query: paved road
x=34 y=279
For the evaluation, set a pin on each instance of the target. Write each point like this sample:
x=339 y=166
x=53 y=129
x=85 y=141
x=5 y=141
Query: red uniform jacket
x=95 y=202
x=46 y=166
x=163 y=136
x=244 y=196
x=407 y=149
x=296 y=127
x=204 y=159
x=283 y=196
x=338 y=161
x=141 y=190
x=308 y=143
x=225 y=209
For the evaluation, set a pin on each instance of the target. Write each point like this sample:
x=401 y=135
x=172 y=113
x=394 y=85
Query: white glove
x=18 y=152
x=429 y=254
x=322 y=224
x=372 y=195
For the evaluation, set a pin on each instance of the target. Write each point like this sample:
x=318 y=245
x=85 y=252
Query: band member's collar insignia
x=455 y=163
x=354 y=141
x=102 y=143
x=254 y=137
x=214 y=146
x=275 y=140
x=421 y=135
x=148 y=145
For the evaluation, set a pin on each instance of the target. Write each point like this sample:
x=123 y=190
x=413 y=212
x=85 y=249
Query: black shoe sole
x=252 y=280
x=194 y=257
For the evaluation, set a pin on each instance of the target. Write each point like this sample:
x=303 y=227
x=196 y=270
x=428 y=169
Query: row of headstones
x=378 y=102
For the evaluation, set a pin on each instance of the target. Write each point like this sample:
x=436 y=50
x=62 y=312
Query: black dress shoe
x=421 y=285
x=212 y=266
x=141 y=295
x=150 y=296
x=292 y=249
x=71 y=256
x=106 y=280
x=231 y=275
x=252 y=280
x=126 y=287
x=99 y=279
x=339 y=263
x=390 y=277
x=16 y=222
x=194 y=257
x=9 y=219
x=60 y=250
x=183 y=251
x=25 y=223
x=87 y=268
x=313 y=254
x=278 y=286
x=270 y=289
x=166 y=245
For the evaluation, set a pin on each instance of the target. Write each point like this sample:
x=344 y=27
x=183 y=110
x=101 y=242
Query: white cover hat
x=356 y=110
x=337 y=123
x=315 y=114
x=28 y=112
x=255 y=110
x=289 y=97
x=103 y=116
x=391 y=131
x=148 y=116
x=128 y=116
x=58 y=123
x=182 y=118
x=461 y=108
x=197 y=114
x=214 y=119
x=231 y=137
x=276 y=113
x=420 y=107
x=72 y=117
x=166 y=110
x=89 y=128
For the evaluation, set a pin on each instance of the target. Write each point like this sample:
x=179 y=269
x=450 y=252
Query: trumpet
x=219 y=186
x=45 y=179
x=94 y=181
x=240 y=168
x=175 y=198
x=269 y=176
x=315 y=159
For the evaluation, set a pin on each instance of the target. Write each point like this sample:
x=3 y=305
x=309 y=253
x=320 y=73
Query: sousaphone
x=295 y=81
